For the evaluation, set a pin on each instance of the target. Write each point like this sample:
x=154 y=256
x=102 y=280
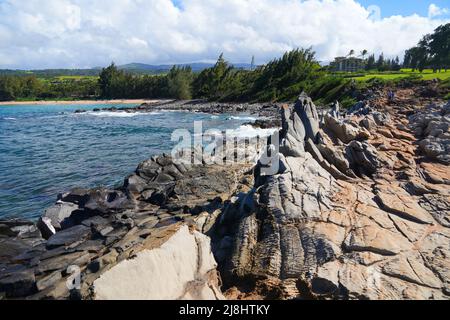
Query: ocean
x=49 y=149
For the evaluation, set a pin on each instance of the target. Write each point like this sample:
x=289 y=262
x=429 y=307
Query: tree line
x=433 y=51
x=32 y=88
x=280 y=79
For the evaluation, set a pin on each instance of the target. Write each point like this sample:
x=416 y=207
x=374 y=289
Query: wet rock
x=265 y=123
x=77 y=196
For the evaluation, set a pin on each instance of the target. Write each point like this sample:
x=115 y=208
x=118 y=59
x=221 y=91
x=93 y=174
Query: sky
x=37 y=34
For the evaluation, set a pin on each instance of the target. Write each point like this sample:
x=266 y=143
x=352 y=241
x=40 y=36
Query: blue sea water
x=49 y=149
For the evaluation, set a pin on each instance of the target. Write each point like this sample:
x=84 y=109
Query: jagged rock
x=346 y=246
x=45 y=227
x=439 y=207
x=335 y=110
x=59 y=214
x=135 y=185
x=293 y=132
x=104 y=201
x=381 y=119
x=307 y=111
x=362 y=157
x=77 y=196
x=311 y=229
x=6 y=231
x=361 y=108
x=345 y=131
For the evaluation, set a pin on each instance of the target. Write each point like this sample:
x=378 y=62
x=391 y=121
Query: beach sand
x=79 y=102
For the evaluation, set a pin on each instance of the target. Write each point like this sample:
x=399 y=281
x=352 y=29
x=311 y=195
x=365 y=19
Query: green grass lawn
x=75 y=77
x=404 y=73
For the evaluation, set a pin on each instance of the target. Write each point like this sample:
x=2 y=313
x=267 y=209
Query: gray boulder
x=59 y=214
x=363 y=157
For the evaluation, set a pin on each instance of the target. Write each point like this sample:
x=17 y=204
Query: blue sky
x=404 y=7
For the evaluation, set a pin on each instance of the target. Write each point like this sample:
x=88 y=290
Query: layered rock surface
x=136 y=242
x=358 y=209
x=352 y=213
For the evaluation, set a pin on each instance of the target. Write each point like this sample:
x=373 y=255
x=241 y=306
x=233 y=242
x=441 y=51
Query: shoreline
x=79 y=102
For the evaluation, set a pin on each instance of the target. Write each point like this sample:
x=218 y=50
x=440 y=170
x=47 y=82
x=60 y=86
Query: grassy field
x=62 y=78
x=360 y=76
x=404 y=73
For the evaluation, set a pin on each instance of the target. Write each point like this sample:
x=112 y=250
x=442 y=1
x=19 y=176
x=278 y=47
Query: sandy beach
x=79 y=102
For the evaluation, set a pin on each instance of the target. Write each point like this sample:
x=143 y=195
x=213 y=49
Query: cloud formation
x=88 y=33
x=435 y=11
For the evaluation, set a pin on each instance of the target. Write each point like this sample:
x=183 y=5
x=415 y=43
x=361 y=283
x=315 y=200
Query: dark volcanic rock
x=69 y=236
x=10 y=247
x=18 y=284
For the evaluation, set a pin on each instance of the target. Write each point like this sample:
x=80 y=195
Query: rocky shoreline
x=358 y=209
x=201 y=106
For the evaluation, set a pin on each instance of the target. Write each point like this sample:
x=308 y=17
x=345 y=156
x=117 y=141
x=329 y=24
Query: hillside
x=133 y=68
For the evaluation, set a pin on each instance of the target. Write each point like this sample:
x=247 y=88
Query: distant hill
x=135 y=68
x=163 y=68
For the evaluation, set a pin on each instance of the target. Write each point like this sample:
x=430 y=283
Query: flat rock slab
x=69 y=236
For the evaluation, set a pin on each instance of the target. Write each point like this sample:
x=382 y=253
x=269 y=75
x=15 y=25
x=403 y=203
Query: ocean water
x=49 y=149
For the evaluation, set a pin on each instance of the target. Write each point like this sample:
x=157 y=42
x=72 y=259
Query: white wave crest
x=245 y=131
x=248 y=131
x=245 y=118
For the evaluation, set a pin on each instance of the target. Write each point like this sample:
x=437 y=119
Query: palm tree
x=352 y=52
x=363 y=53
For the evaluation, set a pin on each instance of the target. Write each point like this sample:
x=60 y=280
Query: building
x=345 y=64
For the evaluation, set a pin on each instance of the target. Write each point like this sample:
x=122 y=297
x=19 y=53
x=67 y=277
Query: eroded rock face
x=357 y=210
x=432 y=126
x=113 y=238
x=348 y=217
x=182 y=268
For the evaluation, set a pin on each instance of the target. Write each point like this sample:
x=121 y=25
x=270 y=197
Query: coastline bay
x=49 y=149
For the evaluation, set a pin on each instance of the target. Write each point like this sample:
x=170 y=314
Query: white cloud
x=435 y=11
x=85 y=33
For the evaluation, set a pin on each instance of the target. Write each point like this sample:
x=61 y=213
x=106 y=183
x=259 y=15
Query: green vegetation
x=433 y=51
x=280 y=80
x=426 y=74
x=30 y=87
